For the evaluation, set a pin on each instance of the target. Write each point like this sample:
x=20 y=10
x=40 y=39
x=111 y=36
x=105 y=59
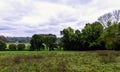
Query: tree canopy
x=41 y=41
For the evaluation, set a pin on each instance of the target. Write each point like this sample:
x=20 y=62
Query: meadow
x=59 y=61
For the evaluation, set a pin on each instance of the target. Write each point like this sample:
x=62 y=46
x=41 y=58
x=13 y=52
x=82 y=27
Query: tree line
x=92 y=37
x=15 y=39
x=103 y=34
x=12 y=46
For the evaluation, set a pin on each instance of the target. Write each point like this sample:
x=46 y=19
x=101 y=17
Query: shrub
x=28 y=47
x=12 y=47
x=117 y=45
x=2 y=45
x=21 y=46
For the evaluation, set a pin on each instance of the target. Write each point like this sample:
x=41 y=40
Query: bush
x=2 y=45
x=21 y=46
x=28 y=47
x=117 y=45
x=12 y=47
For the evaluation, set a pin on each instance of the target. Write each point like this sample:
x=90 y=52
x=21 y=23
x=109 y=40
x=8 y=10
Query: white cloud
x=42 y=12
x=27 y=17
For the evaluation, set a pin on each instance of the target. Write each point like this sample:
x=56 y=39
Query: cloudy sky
x=28 y=17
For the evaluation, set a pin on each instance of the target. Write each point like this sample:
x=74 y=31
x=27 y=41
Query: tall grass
x=59 y=61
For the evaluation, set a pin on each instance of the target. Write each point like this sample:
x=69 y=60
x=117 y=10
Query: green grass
x=59 y=61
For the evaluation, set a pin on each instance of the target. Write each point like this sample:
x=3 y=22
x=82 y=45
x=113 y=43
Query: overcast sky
x=28 y=17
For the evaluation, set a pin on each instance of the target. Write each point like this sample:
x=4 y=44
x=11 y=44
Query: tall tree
x=91 y=34
x=113 y=17
x=68 y=38
x=116 y=15
x=71 y=39
x=78 y=40
x=39 y=41
x=105 y=19
x=50 y=41
x=112 y=36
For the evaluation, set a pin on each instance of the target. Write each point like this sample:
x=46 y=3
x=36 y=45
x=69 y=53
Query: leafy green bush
x=21 y=46
x=28 y=47
x=2 y=45
x=12 y=47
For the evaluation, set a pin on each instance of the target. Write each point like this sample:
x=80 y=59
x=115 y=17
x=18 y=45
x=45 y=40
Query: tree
x=18 y=39
x=112 y=37
x=66 y=39
x=90 y=36
x=70 y=39
x=116 y=15
x=50 y=41
x=37 y=42
x=111 y=34
x=3 y=38
x=2 y=45
x=78 y=40
x=105 y=19
x=12 y=47
x=113 y=17
x=21 y=47
x=40 y=41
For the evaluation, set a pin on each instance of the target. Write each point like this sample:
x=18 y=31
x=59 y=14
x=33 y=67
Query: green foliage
x=2 y=46
x=111 y=36
x=36 y=42
x=88 y=39
x=50 y=41
x=91 y=34
x=42 y=41
x=70 y=39
x=92 y=37
x=21 y=47
x=12 y=47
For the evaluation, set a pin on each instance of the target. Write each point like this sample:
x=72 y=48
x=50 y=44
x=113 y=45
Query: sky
x=28 y=17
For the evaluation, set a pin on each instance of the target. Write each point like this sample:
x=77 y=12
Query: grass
x=59 y=61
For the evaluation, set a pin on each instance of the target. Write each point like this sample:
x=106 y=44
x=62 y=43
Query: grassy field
x=59 y=61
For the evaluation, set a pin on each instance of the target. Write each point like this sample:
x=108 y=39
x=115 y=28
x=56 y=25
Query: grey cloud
x=6 y=28
x=85 y=1
x=11 y=18
x=30 y=31
x=81 y=24
x=53 y=1
x=15 y=11
x=62 y=18
x=69 y=2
